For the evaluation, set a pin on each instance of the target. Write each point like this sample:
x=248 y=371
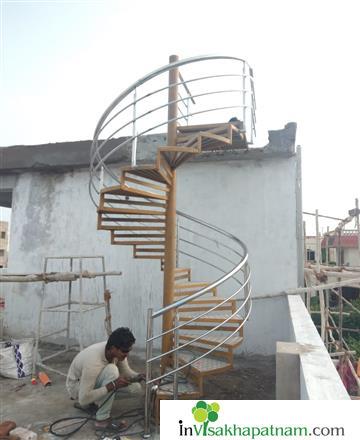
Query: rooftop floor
x=36 y=407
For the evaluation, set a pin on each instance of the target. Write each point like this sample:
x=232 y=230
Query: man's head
x=120 y=343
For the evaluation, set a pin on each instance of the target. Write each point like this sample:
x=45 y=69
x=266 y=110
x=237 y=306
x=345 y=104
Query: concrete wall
x=255 y=200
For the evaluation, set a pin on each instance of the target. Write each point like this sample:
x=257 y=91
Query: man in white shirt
x=101 y=369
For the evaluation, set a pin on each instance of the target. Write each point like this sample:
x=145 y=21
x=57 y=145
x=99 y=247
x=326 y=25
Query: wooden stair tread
x=126 y=178
x=205 y=364
x=216 y=317
x=108 y=210
x=183 y=388
x=150 y=172
x=123 y=190
x=214 y=339
x=202 y=127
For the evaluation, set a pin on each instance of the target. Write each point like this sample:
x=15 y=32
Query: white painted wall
x=352 y=257
x=255 y=200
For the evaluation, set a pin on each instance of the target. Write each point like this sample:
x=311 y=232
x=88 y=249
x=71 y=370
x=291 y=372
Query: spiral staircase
x=202 y=320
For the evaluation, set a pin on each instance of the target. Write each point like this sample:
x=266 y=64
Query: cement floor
x=36 y=407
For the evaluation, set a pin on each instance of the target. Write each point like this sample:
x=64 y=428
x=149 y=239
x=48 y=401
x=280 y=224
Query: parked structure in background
x=4 y=240
x=343 y=249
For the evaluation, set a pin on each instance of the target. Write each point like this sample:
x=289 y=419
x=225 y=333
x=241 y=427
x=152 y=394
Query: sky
x=63 y=62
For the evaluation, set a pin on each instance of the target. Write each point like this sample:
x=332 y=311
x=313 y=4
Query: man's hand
x=141 y=376
x=121 y=382
x=138 y=378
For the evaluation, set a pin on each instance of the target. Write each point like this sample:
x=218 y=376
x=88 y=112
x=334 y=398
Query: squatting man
x=101 y=369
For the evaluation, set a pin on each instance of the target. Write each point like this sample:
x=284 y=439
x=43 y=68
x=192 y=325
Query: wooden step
x=157 y=250
x=137 y=239
x=213 y=317
x=124 y=190
x=116 y=235
x=203 y=307
x=134 y=202
x=202 y=127
x=148 y=252
x=134 y=219
x=108 y=210
x=149 y=257
x=185 y=388
x=126 y=179
x=141 y=228
x=213 y=136
x=182 y=274
x=214 y=339
x=187 y=289
x=177 y=155
x=205 y=366
x=138 y=242
x=150 y=172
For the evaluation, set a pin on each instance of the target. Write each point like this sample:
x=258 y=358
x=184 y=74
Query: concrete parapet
x=318 y=378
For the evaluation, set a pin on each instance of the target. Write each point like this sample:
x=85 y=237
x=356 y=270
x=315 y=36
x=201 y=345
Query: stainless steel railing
x=196 y=242
x=212 y=87
x=215 y=88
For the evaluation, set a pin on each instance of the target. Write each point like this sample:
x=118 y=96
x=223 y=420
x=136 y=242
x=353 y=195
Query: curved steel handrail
x=98 y=159
x=155 y=73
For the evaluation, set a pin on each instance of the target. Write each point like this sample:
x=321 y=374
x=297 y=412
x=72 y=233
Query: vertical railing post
x=246 y=288
x=134 y=141
x=69 y=308
x=81 y=306
x=42 y=299
x=318 y=248
x=170 y=233
x=101 y=178
x=244 y=95
x=187 y=110
x=149 y=345
x=176 y=358
x=357 y=222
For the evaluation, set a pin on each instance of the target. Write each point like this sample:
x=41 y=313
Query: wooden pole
x=52 y=276
x=358 y=223
x=305 y=247
x=170 y=233
x=318 y=250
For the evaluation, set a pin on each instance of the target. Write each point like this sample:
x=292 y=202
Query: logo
x=203 y=413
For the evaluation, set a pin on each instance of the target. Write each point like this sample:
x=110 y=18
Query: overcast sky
x=63 y=62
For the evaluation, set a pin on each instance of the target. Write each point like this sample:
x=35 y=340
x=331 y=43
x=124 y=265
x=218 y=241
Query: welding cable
x=59 y=429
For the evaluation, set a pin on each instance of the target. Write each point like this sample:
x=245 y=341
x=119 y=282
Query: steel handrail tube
x=203 y=314
x=209 y=264
x=207 y=249
x=157 y=72
x=210 y=239
x=205 y=354
x=202 y=291
x=147 y=95
x=199 y=337
x=160 y=107
x=157 y=126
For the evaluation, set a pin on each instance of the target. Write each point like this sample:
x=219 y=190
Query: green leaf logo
x=205 y=413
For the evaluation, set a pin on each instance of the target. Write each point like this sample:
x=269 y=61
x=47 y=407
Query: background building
x=4 y=240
